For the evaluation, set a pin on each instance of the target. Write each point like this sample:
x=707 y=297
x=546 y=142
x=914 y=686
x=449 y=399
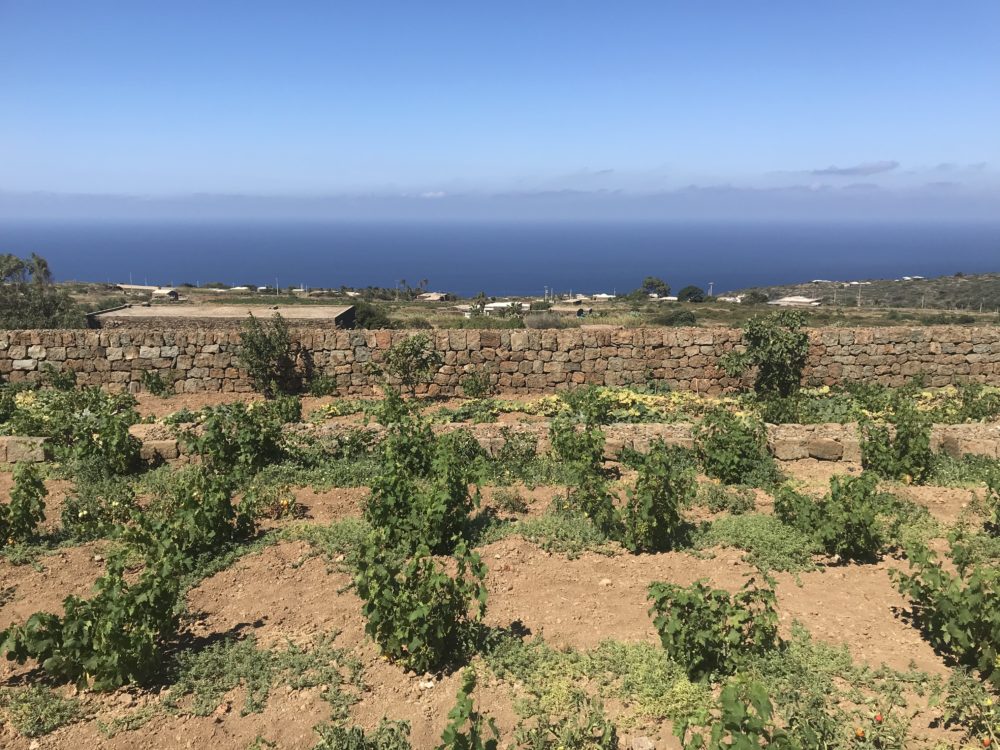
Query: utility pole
x=859 y=295
x=711 y=284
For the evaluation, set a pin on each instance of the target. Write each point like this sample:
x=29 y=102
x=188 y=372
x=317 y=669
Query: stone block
x=825 y=449
x=24 y=449
x=159 y=450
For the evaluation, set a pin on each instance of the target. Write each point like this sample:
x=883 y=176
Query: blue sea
x=502 y=258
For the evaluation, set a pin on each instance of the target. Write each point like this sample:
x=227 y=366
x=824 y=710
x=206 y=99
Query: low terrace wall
x=788 y=442
x=520 y=361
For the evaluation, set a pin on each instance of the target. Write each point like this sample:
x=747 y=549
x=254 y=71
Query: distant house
x=504 y=306
x=602 y=297
x=737 y=299
x=435 y=297
x=668 y=298
x=166 y=294
x=795 y=302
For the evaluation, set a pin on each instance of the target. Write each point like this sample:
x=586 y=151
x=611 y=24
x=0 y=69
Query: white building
x=795 y=302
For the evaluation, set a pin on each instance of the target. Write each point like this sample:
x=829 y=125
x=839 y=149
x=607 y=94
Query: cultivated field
x=312 y=571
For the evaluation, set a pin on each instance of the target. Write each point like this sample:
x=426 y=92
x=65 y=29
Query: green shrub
x=154 y=382
x=711 y=632
x=582 y=448
x=408 y=513
x=651 y=517
x=467 y=729
x=734 y=449
x=20 y=518
x=415 y=611
x=992 y=500
x=409 y=362
x=273 y=501
x=54 y=377
x=735 y=499
x=266 y=353
x=114 y=638
x=389 y=735
x=197 y=517
x=745 y=720
x=970 y=705
x=589 y=495
x=477 y=384
x=977 y=404
x=901 y=448
x=236 y=439
x=518 y=452
x=844 y=523
x=87 y=428
x=674 y=318
x=510 y=501
x=959 y=612
x=408 y=445
x=777 y=347
x=323 y=385
x=97 y=508
x=29 y=298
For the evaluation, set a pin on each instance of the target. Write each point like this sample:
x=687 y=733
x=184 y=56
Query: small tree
x=29 y=299
x=691 y=294
x=266 y=354
x=411 y=361
x=655 y=285
x=777 y=347
x=754 y=298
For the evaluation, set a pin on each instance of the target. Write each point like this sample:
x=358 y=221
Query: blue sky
x=474 y=105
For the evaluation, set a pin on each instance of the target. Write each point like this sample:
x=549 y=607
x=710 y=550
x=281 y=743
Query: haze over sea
x=503 y=258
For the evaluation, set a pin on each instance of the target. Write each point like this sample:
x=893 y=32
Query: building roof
x=795 y=302
x=183 y=312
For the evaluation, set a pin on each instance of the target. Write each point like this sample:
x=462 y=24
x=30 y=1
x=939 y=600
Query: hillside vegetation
x=958 y=292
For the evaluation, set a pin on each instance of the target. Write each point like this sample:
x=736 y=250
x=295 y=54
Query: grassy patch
x=769 y=544
x=564 y=533
x=639 y=675
x=967 y=471
x=203 y=677
x=339 y=541
x=129 y=722
x=35 y=711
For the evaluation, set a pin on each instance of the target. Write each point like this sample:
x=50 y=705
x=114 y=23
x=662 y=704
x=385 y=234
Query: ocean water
x=502 y=258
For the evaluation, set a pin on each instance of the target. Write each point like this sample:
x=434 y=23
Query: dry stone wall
x=526 y=361
x=788 y=442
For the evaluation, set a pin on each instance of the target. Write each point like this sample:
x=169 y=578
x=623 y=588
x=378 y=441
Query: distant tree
x=655 y=285
x=691 y=293
x=29 y=299
x=367 y=315
x=674 y=318
x=754 y=298
x=478 y=304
